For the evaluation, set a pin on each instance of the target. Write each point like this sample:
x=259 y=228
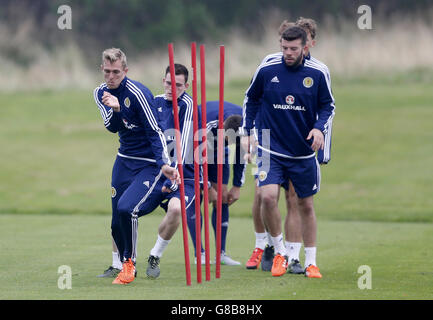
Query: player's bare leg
x=171 y=220
x=272 y=219
x=308 y=218
x=261 y=236
x=269 y=208
x=259 y=226
x=309 y=234
x=166 y=230
x=293 y=230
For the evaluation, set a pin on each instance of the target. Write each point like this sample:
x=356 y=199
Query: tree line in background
x=149 y=24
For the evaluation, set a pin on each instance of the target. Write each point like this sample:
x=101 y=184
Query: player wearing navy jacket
x=232 y=121
x=169 y=196
x=292 y=224
x=263 y=250
x=296 y=109
x=126 y=107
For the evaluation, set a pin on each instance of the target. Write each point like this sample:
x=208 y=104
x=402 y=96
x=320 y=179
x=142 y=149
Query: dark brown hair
x=178 y=70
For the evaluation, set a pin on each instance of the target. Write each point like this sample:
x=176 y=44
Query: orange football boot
x=312 y=271
x=127 y=274
x=279 y=266
x=254 y=261
x=118 y=281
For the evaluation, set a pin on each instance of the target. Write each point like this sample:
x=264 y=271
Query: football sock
x=261 y=240
x=159 y=247
x=116 y=261
x=279 y=247
x=293 y=249
x=269 y=239
x=310 y=256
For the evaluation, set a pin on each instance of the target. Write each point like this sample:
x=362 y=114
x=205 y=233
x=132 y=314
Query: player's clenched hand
x=233 y=195
x=318 y=139
x=171 y=173
x=111 y=101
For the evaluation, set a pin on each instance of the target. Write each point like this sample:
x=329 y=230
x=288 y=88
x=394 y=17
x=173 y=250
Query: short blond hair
x=284 y=26
x=114 y=54
x=309 y=25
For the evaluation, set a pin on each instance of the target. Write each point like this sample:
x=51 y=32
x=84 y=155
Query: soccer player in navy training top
x=232 y=122
x=292 y=225
x=168 y=194
x=126 y=107
x=296 y=108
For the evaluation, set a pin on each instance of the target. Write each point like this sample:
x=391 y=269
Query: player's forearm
x=326 y=116
x=239 y=166
x=113 y=124
x=250 y=113
x=239 y=175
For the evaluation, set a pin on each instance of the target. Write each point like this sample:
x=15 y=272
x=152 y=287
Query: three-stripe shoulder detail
x=188 y=120
x=106 y=114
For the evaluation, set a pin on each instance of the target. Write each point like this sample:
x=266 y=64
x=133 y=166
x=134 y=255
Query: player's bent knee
x=306 y=205
x=124 y=208
x=268 y=200
x=174 y=208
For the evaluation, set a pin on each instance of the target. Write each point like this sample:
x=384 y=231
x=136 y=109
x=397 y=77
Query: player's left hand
x=233 y=195
x=318 y=139
x=171 y=173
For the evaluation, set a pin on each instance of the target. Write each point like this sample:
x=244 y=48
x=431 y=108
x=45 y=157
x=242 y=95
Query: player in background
x=263 y=253
x=126 y=107
x=168 y=196
x=292 y=225
x=232 y=121
x=296 y=109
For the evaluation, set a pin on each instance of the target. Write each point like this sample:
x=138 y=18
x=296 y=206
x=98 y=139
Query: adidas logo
x=275 y=80
x=146 y=183
x=315 y=187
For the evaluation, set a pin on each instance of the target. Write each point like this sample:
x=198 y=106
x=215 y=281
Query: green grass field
x=374 y=207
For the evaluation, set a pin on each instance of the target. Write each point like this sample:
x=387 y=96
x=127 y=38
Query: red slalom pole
x=220 y=161
x=179 y=163
x=196 y=160
x=204 y=156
